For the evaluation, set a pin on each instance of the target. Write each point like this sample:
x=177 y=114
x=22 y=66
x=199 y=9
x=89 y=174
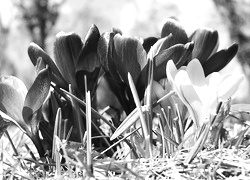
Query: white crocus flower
x=202 y=94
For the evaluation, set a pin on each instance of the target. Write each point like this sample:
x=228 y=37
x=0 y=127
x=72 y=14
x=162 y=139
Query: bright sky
x=6 y=11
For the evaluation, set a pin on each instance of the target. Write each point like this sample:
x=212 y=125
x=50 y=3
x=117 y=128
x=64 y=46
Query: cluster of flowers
x=191 y=65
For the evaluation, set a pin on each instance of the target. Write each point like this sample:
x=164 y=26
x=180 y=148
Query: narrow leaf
x=143 y=122
x=36 y=95
x=89 y=141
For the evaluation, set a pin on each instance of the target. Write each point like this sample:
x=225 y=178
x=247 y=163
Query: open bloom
x=202 y=94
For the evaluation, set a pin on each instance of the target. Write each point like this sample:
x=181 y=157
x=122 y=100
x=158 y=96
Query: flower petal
x=220 y=59
x=230 y=86
x=175 y=53
x=67 y=47
x=88 y=59
x=15 y=83
x=196 y=73
x=35 y=53
x=175 y=28
x=104 y=51
x=189 y=97
x=214 y=79
x=36 y=96
x=206 y=42
x=13 y=113
x=171 y=72
x=129 y=56
x=148 y=42
x=88 y=62
x=11 y=103
x=161 y=44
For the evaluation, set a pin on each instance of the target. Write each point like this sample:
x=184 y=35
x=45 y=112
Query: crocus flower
x=73 y=59
x=120 y=54
x=202 y=94
x=203 y=42
x=22 y=107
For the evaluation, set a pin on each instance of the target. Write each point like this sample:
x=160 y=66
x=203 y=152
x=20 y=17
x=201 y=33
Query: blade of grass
x=57 y=129
x=241 y=137
x=65 y=122
x=1 y=159
x=89 y=141
x=77 y=115
x=169 y=128
x=57 y=156
x=120 y=140
x=171 y=141
x=29 y=151
x=11 y=143
x=165 y=130
x=143 y=122
x=198 y=145
x=180 y=124
x=171 y=93
x=10 y=159
x=95 y=114
x=99 y=131
x=127 y=122
x=69 y=133
x=148 y=97
x=133 y=117
x=164 y=145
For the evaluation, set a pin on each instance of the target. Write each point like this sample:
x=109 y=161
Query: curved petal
x=161 y=44
x=189 y=95
x=157 y=91
x=206 y=42
x=214 y=79
x=35 y=53
x=175 y=53
x=67 y=47
x=36 y=95
x=220 y=59
x=88 y=59
x=11 y=103
x=15 y=83
x=230 y=86
x=104 y=50
x=175 y=28
x=171 y=72
x=148 y=43
x=196 y=73
x=129 y=56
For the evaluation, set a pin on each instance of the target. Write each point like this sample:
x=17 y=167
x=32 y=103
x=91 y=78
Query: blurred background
x=24 y=21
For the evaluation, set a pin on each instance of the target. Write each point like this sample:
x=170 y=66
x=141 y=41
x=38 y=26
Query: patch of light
x=128 y=17
x=6 y=12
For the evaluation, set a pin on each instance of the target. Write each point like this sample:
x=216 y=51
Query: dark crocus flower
x=205 y=45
